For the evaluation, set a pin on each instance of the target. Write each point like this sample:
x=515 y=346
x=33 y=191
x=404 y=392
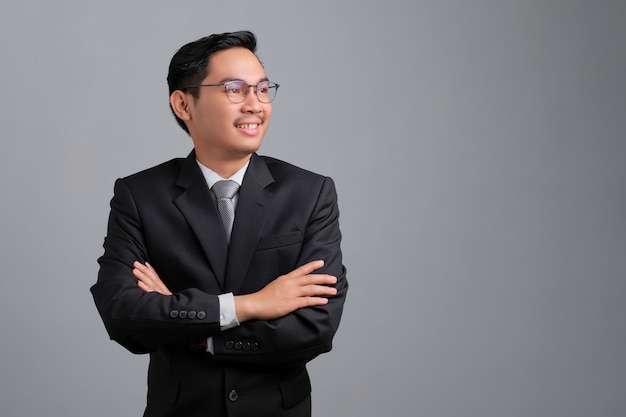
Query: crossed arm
x=293 y=318
x=299 y=288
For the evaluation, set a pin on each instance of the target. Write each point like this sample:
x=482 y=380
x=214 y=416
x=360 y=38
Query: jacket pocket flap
x=277 y=241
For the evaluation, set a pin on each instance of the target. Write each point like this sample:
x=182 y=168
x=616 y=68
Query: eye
x=233 y=89
x=263 y=88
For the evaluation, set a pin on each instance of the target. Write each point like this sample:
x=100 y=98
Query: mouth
x=247 y=126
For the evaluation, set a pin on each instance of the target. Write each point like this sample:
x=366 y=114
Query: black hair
x=190 y=64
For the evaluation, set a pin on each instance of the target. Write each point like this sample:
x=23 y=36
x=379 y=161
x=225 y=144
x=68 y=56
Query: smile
x=248 y=126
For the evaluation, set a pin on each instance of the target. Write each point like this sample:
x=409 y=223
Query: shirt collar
x=212 y=177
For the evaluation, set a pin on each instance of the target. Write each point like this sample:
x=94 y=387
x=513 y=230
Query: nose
x=251 y=104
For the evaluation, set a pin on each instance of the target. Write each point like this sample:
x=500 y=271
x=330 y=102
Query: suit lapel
x=253 y=208
x=198 y=206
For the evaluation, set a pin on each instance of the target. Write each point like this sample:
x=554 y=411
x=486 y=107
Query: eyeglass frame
x=225 y=85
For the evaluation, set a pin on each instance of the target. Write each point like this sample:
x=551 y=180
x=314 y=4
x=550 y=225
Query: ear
x=180 y=103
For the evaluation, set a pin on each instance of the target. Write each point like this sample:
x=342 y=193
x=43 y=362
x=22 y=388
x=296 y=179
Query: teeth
x=248 y=126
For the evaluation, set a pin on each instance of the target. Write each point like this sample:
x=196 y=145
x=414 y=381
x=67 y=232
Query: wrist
x=243 y=309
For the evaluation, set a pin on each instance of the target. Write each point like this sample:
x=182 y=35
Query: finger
x=318 y=290
x=148 y=279
x=148 y=287
x=142 y=285
x=306 y=269
x=139 y=265
x=160 y=287
x=145 y=268
x=139 y=269
x=147 y=273
x=143 y=276
x=313 y=301
x=319 y=279
x=150 y=268
x=140 y=275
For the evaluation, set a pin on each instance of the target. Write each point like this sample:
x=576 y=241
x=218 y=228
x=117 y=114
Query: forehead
x=235 y=63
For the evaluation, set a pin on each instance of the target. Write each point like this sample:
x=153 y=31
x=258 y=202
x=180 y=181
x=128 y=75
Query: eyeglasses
x=237 y=90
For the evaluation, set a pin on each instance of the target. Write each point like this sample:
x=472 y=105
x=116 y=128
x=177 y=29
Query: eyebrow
x=227 y=79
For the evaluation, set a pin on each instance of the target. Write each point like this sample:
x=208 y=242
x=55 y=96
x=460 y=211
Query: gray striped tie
x=224 y=191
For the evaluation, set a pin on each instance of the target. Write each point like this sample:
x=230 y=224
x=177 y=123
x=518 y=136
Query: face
x=221 y=129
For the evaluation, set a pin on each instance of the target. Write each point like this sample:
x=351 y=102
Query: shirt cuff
x=228 y=318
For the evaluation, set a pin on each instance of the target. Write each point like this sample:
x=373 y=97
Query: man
x=229 y=310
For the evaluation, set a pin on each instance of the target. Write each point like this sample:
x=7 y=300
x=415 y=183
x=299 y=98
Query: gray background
x=479 y=150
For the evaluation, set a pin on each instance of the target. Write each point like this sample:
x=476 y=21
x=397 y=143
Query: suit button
x=173 y=314
x=255 y=346
x=238 y=345
x=247 y=346
x=201 y=315
x=230 y=344
x=233 y=396
x=182 y=314
x=191 y=314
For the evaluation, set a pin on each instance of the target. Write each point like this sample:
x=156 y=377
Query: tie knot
x=225 y=188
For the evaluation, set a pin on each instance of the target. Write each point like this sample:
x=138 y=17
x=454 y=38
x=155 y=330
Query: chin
x=250 y=146
x=245 y=151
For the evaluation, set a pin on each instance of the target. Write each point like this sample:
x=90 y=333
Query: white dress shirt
x=228 y=318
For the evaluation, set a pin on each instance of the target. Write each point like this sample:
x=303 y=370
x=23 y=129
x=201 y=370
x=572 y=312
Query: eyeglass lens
x=237 y=90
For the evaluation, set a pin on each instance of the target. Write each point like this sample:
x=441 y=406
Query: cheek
x=268 y=114
x=218 y=121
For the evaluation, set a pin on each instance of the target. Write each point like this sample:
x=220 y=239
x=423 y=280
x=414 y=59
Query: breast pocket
x=275 y=255
x=277 y=241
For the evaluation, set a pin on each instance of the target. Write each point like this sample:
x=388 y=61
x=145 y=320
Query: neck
x=225 y=168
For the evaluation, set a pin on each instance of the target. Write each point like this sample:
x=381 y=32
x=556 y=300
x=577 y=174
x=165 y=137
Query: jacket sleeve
x=304 y=334
x=144 y=322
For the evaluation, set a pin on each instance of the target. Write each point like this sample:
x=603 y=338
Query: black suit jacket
x=166 y=215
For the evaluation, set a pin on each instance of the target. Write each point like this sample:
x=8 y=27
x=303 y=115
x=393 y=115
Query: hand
x=148 y=279
x=298 y=289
